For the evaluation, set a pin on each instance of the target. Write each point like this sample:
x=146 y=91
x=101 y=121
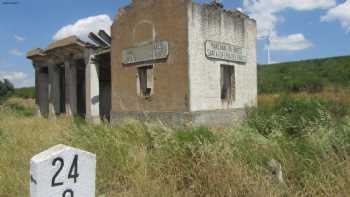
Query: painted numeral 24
x=73 y=173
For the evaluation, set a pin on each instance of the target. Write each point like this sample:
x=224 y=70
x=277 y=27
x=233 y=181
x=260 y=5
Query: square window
x=145 y=81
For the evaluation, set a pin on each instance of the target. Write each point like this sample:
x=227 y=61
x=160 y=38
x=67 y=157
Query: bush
x=307 y=83
x=338 y=109
x=199 y=135
x=292 y=116
x=6 y=88
x=19 y=107
x=298 y=115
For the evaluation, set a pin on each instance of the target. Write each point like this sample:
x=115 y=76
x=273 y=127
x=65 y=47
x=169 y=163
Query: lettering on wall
x=146 y=52
x=225 y=51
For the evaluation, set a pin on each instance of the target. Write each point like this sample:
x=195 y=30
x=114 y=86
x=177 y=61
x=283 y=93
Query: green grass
x=27 y=92
x=309 y=75
x=150 y=159
x=303 y=122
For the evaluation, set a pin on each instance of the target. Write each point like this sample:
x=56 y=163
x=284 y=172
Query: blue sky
x=298 y=29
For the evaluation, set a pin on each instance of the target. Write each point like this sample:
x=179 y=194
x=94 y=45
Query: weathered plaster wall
x=213 y=23
x=142 y=22
x=92 y=89
x=212 y=118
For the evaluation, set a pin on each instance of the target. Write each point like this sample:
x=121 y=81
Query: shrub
x=292 y=116
x=262 y=119
x=297 y=115
x=338 y=109
x=19 y=107
x=199 y=135
x=6 y=88
x=306 y=82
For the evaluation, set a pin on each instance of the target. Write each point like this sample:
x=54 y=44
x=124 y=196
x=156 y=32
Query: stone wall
x=187 y=87
x=145 y=22
x=214 y=23
x=214 y=118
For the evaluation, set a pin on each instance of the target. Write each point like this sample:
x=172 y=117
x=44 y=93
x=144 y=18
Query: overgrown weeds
x=150 y=159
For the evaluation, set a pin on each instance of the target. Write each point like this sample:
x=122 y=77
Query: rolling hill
x=307 y=75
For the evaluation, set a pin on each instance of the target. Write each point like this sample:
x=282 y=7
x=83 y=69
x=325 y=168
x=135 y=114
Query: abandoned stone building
x=172 y=60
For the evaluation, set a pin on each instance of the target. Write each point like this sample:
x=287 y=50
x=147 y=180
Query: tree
x=6 y=88
x=9 y=86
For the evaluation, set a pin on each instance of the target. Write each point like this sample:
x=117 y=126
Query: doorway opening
x=228 y=84
x=81 y=98
x=104 y=76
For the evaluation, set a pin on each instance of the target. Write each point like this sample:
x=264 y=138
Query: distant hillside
x=28 y=92
x=308 y=75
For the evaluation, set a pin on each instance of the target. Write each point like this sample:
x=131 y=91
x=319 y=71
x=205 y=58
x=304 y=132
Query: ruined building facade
x=172 y=60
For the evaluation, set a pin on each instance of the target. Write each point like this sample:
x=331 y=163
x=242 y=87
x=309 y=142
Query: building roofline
x=209 y=5
x=35 y=53
x=217 y=6
x=68 y=41
x=71 y=42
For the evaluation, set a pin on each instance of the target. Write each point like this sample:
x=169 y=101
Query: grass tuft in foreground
x=150 y=159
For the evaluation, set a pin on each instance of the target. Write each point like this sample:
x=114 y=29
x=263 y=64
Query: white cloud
x=19 y=79
x=340 y=13
x=294 y=42
x=19 y=38
x=266 y=11
x=13 y=76
x=16 y=52
x=83 y=27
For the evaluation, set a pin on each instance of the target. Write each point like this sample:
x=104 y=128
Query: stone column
x=92 y=89
x=37 y=91
x=41 y=88
x=54 y=92
x=71 y=88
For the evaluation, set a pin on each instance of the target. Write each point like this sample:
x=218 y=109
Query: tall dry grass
x=150 y=159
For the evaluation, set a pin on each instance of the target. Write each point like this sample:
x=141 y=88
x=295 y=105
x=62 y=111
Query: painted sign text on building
x=147 y=52
x=224 y=51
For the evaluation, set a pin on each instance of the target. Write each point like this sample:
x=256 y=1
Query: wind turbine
x=268 y=48
x=268 y=38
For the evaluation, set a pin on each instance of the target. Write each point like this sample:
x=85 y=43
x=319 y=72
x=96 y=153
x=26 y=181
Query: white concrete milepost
x=63 y=171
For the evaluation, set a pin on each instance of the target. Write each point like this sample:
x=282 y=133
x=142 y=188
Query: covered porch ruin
x=72 y=78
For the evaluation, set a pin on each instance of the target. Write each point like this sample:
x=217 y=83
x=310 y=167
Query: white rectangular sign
x=146 y=52
x=225 y=51
x=63 y=171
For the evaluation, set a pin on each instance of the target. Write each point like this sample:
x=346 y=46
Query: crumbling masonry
x=175 y=61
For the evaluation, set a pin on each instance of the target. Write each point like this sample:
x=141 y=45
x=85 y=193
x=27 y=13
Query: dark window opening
x=44 y=70
x=227 y=82
x=145 y=78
